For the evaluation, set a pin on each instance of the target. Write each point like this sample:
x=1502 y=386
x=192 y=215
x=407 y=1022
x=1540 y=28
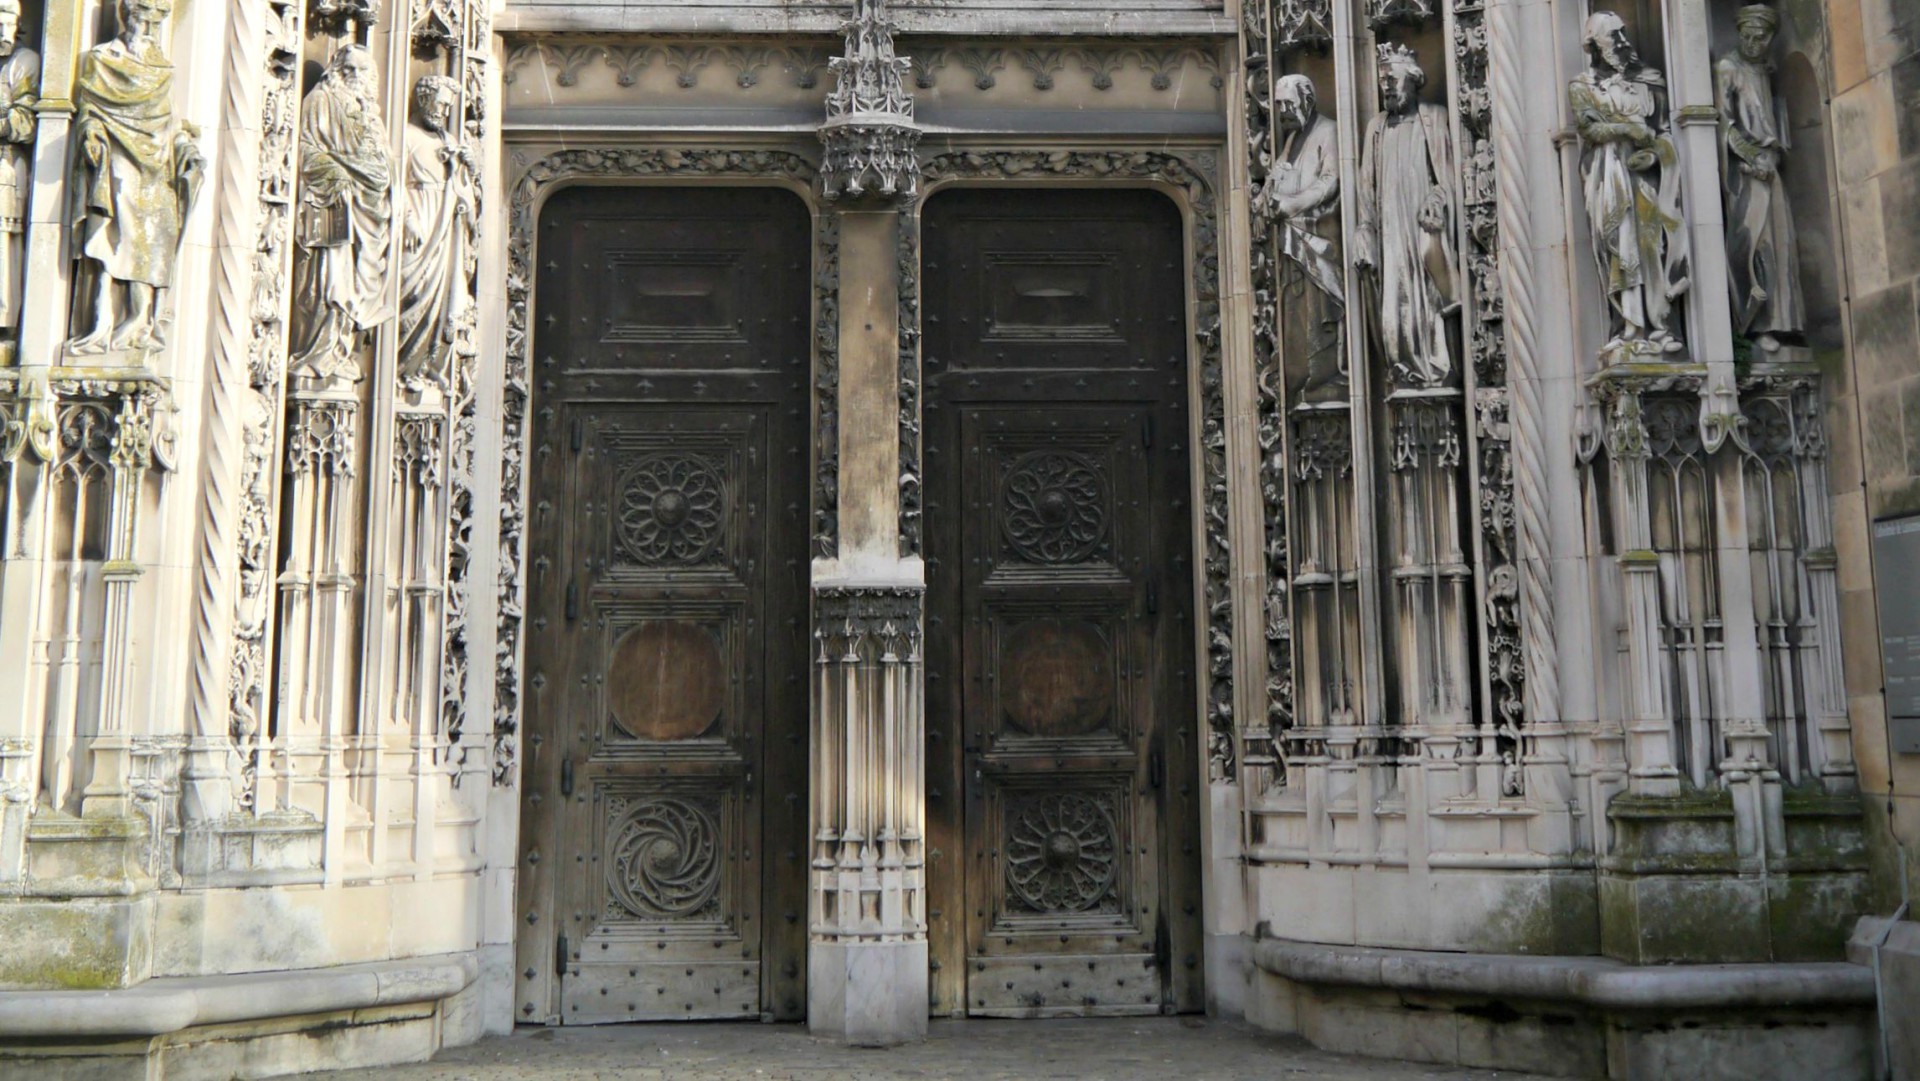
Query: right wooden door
x=1060 y=644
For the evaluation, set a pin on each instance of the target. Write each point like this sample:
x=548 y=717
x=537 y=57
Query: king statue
x=19 y=91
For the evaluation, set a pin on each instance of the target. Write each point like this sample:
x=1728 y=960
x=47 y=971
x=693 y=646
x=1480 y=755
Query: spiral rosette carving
x=664 y=859
x=1054 y=507
x=1062 y=853
x=670 y=510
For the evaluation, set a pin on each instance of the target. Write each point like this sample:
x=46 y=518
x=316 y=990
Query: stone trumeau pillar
x=867 y=948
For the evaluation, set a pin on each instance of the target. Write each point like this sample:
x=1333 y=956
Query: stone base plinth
x=1569 y=1016
x=253 y=1025
x=870 y=994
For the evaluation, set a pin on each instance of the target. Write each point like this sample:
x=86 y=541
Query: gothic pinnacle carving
x=869 y=133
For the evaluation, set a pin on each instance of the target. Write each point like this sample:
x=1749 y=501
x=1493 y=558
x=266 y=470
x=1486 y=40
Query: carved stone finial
x=869 y=134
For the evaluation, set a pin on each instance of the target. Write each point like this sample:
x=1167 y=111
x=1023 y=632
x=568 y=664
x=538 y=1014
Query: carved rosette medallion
x=671 y=509
x=663 y=857
x=1054 y=507
x=1062 y=853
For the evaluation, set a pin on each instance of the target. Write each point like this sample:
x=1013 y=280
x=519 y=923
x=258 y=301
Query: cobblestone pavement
x=1144 y=1049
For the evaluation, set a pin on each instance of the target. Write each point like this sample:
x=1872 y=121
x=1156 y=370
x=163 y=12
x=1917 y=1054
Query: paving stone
x=1121 y=1049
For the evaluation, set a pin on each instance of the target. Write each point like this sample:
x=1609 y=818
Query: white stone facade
x=1519 y=690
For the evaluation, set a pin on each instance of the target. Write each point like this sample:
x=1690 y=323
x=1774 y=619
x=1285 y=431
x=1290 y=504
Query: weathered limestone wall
x=1875 y=415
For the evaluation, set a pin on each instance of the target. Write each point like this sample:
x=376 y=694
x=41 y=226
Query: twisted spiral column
x=227 y=370
x=1508 y=76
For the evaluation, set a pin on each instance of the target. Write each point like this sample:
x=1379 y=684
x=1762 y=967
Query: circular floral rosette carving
x=1062 y=853
x=664 y=861
x=1054 y=507
x=671 y=508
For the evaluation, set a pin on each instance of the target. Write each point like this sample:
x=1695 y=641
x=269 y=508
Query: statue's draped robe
x=1303 y=197
x=19 y=89
x=434 y=256
x=346 y=206
x=1763 y=271
x=1638 y=236
x=1406 y=162
x=130 y=205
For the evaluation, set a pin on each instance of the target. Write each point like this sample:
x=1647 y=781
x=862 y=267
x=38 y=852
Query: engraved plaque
x=1896 y=553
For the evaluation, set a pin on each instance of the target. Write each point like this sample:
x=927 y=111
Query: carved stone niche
x=1384 y=13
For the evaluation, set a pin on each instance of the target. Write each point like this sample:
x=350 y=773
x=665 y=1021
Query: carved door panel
x=1060 y=635
x=667 y=694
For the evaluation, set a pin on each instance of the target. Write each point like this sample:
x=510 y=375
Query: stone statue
x=1407 y=223
x=1301 y=199
x=140 y=175
x=435 y=248
x=19 y=90
x=1762 y=268
x=342 y=220
x=1631 y=176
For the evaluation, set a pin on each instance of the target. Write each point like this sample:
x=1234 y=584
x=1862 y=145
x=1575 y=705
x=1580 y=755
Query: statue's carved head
x=434 y=99
x=1296 y=102
x=9 y=25
x=1607 y=42
x=141 y=19
x=352 y=67
x=1401 y=78
x=1756 y=23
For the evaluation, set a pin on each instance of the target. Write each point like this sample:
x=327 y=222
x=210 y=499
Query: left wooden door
x=662 y=855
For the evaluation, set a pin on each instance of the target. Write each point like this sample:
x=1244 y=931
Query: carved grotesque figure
x=19 y=90
x=139 y=174
x=1301 y=199
x=1406 y=234
x=346 y=205
x=1761 y=266
x=1630 y=173
x=435 y=249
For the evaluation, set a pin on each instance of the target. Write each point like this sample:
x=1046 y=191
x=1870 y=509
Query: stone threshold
x=1597 y=982
x=171 y=1004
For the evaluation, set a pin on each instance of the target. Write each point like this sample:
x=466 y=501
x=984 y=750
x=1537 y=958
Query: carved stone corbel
x=869 y=134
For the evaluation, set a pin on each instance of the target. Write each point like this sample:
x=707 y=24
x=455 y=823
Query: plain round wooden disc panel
x=666 y=681
x=1057 y=678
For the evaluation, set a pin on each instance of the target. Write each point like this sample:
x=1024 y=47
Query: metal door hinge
x=566 y=776
x=578 y=438
x=1156 y=767
x=573 y=601
x=1153 y=598
x=560 y=955
x=1146 y=431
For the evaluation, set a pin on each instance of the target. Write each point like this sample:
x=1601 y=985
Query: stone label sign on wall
x=1896 y=552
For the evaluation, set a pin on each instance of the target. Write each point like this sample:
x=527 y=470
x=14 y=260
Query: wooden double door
x=663 y=862
x=663 y=843
x=1061 y=710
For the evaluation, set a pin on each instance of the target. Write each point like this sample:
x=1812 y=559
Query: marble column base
x=869 y=994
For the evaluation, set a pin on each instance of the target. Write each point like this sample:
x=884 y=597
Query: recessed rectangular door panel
x=667 y=645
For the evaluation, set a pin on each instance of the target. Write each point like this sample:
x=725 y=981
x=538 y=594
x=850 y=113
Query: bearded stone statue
x=1630 y=173
x=1407 y=220
x=342 y=220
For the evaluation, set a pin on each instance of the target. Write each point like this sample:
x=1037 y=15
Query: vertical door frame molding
x=656 y=166
x=1186 y=176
